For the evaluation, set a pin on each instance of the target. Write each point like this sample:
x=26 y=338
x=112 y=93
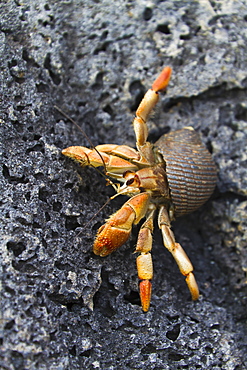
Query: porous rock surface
x=62 y=307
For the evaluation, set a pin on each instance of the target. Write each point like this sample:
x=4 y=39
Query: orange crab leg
x=123 y=151
x=116 y=231
x=145 y=289
x=151 y=97
x=183 y=262
x=162 y=80
x=147 y=104
x=91 y=157
x=144 y=260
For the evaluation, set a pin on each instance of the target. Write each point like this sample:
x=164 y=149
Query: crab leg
x=144 y=260
x=116 y=231
x=147 y=104
x=123 y=151
x=95 y=158
x=184 y=264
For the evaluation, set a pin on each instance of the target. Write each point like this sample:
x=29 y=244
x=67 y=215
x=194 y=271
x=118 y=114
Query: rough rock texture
x=63 y=307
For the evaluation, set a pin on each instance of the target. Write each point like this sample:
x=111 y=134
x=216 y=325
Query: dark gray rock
x=63 y=307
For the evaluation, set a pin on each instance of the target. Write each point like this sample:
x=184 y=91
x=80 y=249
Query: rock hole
x=104 y=35
x=16 y=248
x=18 y=98
x=137 y=91
x=86 y=353
x=98 y=81
x=10 y=290
x=96 y=226
x=148 y=349
x=42 y=87
x=102 y=47
x=163 y=28
x=20 y=108
x=17 y=360
x=28 y=59
x=215 y=327
x=54 y=76
x=172 y=318
x=72 y=351
x=47 y=216
x=57 y=206
x=173 y=356
x=12 y=64
x=71 y=223
x=133 y=298
x=43 y=194
x=74 y=306
x=23 y=266
x=147 y=14
x=6 y=172
x=185 y=37
x=9 y=324
x=36 y=225
x=208 y=349
x=62 y=266
x=36 y=148
x=209 y=147
x=108 y=110
x=240 y=112
x=173 y=333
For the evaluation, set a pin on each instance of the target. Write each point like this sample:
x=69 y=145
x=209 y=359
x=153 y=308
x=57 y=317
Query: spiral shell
x=190 y=169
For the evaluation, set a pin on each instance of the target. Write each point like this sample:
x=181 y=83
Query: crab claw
x=117 y=229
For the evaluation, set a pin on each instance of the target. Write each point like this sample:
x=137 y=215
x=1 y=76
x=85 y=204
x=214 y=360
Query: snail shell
x=190 y=170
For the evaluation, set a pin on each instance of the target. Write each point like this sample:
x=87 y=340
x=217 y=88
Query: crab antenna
x=82 y=131
x=103 y=174
x=104 y=205
x=93 y=217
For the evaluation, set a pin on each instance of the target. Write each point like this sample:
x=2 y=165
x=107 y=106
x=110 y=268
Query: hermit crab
x=171 y=178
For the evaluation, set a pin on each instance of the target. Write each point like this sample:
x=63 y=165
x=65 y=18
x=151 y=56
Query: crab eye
x=130 y=181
